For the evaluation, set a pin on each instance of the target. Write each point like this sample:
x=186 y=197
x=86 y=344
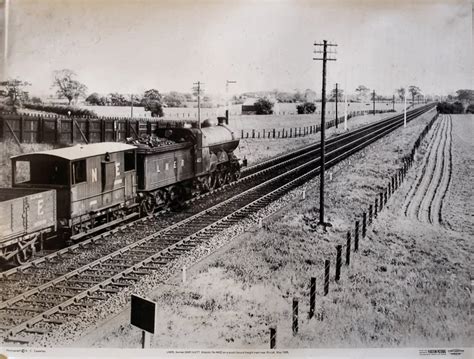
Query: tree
x=298 y=96
x=94 y=99
x=152 y=101
x=36 y=100
x=309 y=95
x=340 y=95
x=414 y=90
x=174 y=99
x=401 y=93
x=263 y=107
x=307 y=107
x=67 y=86
x=118 y=99
x=465 y=95
x=14 y=90
x=362 y=92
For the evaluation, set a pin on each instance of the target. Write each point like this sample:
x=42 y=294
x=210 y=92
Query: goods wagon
x=26 y=216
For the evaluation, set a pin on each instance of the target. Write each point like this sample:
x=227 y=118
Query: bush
x=263 y=107
x=450 y=108
x=307 y=107
x=470 y=108
x=61 y=110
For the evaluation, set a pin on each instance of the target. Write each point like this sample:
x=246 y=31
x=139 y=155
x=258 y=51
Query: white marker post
x=184 y=274
x=405 y=109
x=345 y=111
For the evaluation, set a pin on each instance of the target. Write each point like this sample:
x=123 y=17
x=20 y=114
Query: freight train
x=73 y=192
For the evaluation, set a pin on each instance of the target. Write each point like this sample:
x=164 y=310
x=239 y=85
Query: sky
x=130 y=46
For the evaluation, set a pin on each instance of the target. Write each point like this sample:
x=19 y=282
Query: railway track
x=46 y=292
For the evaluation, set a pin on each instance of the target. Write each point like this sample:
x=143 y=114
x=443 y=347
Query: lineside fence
x=62 y=130
x=353 y=242
x=57 y=129
x=300 y=131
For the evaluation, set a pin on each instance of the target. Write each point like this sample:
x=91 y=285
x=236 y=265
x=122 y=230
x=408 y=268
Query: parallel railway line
x=45 y=292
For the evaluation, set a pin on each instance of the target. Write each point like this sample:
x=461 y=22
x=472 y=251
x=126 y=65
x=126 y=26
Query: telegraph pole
x=325 y=58
x=345 y=109
x=227 y=99
x=336 y=104
x=131 y=107
x=405 y=109
x=373 y=99
x=393 y=103
x=197 y=88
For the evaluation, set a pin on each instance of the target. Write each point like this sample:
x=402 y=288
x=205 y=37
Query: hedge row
x=445 y=107
x=61 y=110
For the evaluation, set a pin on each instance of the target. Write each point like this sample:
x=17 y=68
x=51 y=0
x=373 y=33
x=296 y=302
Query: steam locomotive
x=73 y=192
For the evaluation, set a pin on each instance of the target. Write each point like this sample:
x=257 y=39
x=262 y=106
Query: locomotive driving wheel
x=220 y=178
x=236 y=175
x=213 y=182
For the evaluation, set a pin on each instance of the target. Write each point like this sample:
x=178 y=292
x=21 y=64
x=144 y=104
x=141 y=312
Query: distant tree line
x=171 y=99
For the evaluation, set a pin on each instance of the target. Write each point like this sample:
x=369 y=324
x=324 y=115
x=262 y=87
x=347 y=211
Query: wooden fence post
x=338 y=262
x=273 y=332
x=348 y=248
x=370 y=214
x=22 y=129
x=40 y=129
x=72 y=129
x=356 y=237
x=312 y=297
x=295 y=316
x=364 y=224
x=376 y=207
x=327 y=265
x=381 y=201
x=102 y=130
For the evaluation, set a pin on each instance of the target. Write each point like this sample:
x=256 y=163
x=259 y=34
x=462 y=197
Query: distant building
x=248 y=107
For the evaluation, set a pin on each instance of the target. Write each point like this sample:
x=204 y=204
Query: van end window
x=129 y=160
x=79 y=173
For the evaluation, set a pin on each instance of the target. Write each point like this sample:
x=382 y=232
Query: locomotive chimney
x=226 y=117
x=222 y=120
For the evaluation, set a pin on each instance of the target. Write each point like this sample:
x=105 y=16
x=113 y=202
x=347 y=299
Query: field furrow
x=424 y=200
x=418 y=191
x=443 y=184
